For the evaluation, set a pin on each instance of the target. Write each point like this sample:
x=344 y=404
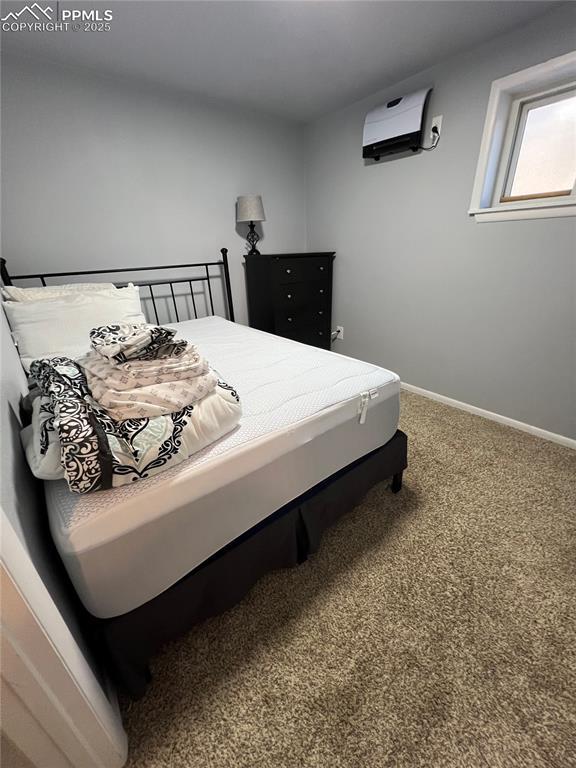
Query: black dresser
x=290 y=294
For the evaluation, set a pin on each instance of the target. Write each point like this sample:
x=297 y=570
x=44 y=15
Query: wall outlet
x=340 y=332
x=436 y=123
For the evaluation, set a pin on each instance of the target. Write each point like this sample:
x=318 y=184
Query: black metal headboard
x=176 y=297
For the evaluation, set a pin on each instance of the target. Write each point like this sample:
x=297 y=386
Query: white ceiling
x=293 y=58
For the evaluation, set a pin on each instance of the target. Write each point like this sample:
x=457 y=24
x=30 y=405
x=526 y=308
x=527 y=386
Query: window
x=543 y=159
x=527 y=163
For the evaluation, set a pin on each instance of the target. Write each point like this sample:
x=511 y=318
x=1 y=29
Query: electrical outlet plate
x=340 y=332
x=436 y=123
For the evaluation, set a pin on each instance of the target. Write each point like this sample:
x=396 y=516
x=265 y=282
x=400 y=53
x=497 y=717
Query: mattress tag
x=373 y=393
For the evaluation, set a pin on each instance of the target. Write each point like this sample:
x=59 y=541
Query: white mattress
x=300 y=424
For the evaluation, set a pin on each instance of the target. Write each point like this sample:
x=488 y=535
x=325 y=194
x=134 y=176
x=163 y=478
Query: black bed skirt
x=283 y=540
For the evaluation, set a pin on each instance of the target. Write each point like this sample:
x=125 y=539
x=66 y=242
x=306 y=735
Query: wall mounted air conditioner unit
x=396 y=126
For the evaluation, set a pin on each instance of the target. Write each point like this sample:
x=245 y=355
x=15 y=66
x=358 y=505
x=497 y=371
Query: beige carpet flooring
x=434 y=628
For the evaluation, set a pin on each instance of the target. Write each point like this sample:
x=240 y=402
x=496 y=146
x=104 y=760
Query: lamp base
x=253 y=238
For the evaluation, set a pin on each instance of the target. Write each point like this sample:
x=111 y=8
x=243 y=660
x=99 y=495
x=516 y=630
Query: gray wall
x=99 y=172
x=484 y=313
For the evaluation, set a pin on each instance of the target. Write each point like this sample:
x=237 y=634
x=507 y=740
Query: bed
x=151 y=559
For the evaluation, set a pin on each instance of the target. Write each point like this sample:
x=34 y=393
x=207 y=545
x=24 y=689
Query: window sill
x=516 y=214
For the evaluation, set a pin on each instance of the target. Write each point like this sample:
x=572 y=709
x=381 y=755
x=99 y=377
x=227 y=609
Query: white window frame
x=507 y=97
x=513 y=143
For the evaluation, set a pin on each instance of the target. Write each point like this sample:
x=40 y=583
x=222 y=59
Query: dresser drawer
x=316 y=337
x=300 y=270
x=309 y=326
x=314 y=294
x=301 y=317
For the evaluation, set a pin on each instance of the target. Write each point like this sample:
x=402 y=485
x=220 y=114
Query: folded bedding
x=126 y=341
x=134 y=373
x=169 y=405
x=130 y=371
x=152 y=399
x=97 y=452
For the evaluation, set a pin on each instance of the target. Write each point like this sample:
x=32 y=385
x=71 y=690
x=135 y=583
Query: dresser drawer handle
x=289 y=319
x=288 y=271
x=288 y=295
x=320 y=333
x=320 y=311
x=321 y=269
x=321 y=290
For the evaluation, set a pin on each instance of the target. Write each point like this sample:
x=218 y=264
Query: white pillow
x=61 y=327
x=37 y=293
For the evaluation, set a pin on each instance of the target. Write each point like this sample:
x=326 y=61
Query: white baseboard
x=568 y=442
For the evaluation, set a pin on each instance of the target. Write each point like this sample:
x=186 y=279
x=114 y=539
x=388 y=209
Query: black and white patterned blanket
x=97 y=452
x=126 y=341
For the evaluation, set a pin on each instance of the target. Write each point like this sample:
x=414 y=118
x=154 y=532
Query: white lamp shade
x=249 y=208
